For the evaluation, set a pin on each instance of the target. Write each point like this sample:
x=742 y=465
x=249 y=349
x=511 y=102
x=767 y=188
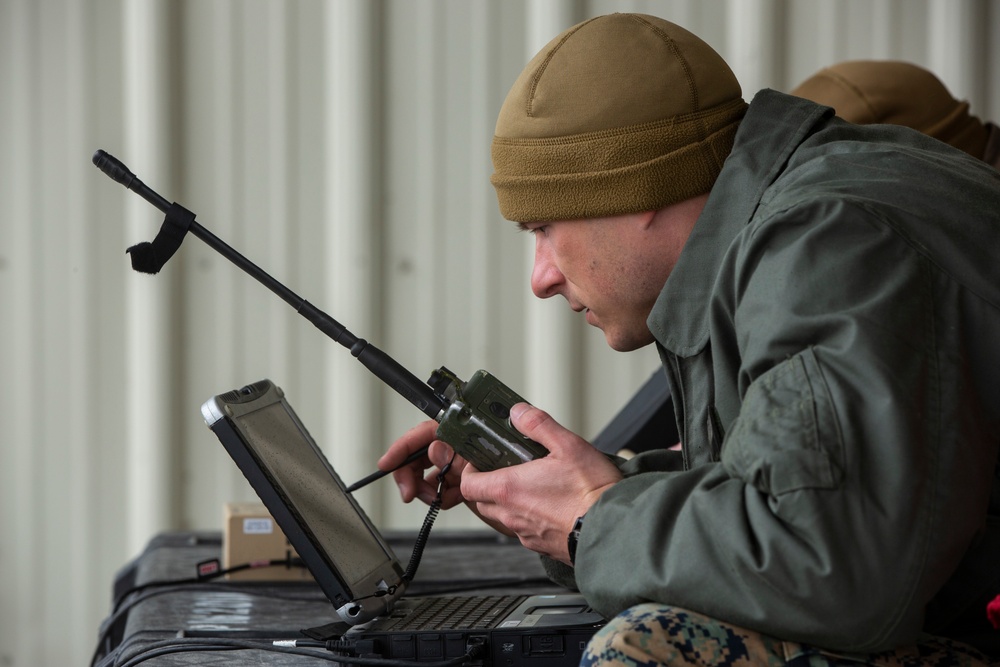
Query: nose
x=546 y=279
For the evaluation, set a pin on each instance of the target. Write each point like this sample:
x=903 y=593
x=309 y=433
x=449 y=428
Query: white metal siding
x=344 y=147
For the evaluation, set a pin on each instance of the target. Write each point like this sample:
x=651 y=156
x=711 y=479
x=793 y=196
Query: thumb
x=540 y=426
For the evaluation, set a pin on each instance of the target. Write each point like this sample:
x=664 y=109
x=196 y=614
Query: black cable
x=425 y=530
x=138 y=594
x=379 y=474
x=288 y=562
x=421 y=542
x=180 y=645
x=184 y=588
x=180 y=586
x=440 y=589
x=473 y=650
x=299 y=647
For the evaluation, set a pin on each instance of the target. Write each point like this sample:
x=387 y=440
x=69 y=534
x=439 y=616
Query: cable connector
x=475 y=648
x=209 y=569
x=367 y=648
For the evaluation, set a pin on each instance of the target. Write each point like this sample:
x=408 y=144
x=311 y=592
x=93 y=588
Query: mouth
x=588 y=314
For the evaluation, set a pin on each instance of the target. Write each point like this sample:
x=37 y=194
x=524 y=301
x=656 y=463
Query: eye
x=533 y=228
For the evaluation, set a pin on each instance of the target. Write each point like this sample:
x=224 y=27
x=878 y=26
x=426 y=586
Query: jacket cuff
x=560 y=573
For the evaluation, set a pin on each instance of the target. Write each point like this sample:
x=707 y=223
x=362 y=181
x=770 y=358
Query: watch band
x=573 y=538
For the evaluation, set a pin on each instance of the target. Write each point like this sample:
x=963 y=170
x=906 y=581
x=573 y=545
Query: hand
x=410 y=478
x=413 y=483
x=540 y=500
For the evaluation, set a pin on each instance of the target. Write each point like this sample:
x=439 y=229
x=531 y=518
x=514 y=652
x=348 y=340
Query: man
x=826 y=304
x=860 y=91
x=901 y=93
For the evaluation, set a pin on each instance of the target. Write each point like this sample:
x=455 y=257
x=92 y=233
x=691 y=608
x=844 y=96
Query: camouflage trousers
x=651 y=634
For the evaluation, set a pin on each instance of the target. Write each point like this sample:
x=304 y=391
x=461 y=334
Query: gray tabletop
x=159 y=606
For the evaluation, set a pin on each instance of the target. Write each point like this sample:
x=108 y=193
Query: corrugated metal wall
x=344 y=147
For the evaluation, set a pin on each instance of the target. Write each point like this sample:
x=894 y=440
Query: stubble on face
x=614 y=268
x=621 y=281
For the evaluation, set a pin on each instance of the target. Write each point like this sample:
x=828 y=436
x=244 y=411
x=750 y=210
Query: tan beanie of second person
x=897 y=93
x=620 y=114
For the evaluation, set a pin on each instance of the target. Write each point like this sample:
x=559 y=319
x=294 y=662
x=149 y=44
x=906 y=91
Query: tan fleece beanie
x=620 y=114
x=898 y=93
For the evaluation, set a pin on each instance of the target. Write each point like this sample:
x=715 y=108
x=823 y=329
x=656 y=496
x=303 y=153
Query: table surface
x=454 y=563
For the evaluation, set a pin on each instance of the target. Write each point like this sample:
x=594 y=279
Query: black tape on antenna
x=150 y=256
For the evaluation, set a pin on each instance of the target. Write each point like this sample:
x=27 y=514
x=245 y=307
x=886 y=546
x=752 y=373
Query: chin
x=626 y=343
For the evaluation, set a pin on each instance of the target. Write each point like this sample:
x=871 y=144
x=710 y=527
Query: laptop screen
x=312 y=491
x=290 y=474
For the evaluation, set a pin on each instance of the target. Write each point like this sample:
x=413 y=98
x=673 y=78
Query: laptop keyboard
x=447 y=613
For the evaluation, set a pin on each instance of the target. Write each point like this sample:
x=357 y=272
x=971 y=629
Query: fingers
x=528 y=499
x=540 y=499
x=412 y=478
x=413 y=440
x=409 y=477
x=443 y=458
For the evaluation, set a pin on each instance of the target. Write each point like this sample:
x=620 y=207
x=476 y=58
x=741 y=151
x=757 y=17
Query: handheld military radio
x=473 y=417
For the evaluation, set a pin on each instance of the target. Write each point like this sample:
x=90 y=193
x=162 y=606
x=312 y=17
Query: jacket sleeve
x=845 y=496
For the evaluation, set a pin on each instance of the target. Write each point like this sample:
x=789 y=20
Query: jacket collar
x=774 y=126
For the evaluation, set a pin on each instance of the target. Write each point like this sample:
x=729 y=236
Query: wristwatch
x=573 y=538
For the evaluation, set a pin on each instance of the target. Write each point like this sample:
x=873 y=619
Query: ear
x=679 y=218
x=645 y=219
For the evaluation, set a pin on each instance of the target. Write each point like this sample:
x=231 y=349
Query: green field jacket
x=831 y=338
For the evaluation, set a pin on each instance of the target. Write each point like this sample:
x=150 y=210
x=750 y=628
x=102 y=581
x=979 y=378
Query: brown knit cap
x=620 y=114
x=898 y=93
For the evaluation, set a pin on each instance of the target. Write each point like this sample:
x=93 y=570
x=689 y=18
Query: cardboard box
x=251 y=535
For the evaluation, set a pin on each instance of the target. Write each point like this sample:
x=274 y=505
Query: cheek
x=612 y=273
x=626 y=290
